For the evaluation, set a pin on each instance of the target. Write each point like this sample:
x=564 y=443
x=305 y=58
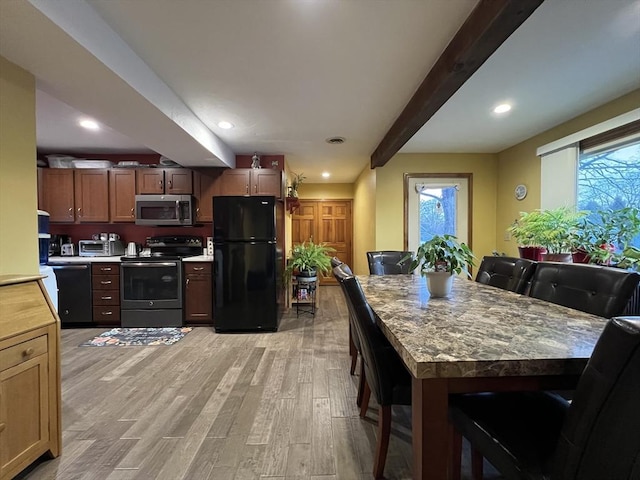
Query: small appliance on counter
x=101 y=248
x=68 y=250
x=55 y=244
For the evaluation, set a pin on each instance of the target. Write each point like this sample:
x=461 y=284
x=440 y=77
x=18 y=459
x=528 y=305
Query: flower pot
x=557 y=257
x=580 y=256
x=532 y=253
x=439 y=284
x=307 y=275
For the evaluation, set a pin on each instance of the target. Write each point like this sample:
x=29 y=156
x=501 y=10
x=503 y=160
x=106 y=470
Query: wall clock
x=520 y=192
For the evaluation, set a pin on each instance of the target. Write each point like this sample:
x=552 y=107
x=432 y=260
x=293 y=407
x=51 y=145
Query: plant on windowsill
x=439 y=259
x=604 y=235
x=553 y=229
x=308 y=258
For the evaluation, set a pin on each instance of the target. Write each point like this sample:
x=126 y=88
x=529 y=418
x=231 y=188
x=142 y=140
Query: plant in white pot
x=439 y=259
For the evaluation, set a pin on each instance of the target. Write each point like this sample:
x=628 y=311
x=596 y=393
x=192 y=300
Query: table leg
x=429 y=413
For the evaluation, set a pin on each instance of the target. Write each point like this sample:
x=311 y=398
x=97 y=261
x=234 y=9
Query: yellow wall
x=18 y=183
x=364 y=219
x=389 y=228
x=326 y=191
x=520 y=164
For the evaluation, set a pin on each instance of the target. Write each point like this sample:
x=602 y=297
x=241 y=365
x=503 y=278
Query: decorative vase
x=532 y=253
x=439 y=284
x=557 y=257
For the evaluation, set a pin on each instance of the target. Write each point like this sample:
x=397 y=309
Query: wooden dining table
x=479 y=338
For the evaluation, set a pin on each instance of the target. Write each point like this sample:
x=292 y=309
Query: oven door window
x=151 y=284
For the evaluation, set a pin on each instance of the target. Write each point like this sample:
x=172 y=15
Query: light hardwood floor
x=278 y=406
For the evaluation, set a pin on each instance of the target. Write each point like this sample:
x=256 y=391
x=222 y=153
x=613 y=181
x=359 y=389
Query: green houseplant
x=553 y=229
x=307 y=258
x=606 y=232
x=297 y=179
x=439 y=259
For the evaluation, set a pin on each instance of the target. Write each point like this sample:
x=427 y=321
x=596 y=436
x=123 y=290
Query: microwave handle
x=178 y=217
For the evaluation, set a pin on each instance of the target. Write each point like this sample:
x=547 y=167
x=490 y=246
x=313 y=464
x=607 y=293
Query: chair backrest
x=601 y=434
x=508 y=273
x=342 y=272
x=335 y=261
x=382 y=364
x=595 y=289
x=387 y=262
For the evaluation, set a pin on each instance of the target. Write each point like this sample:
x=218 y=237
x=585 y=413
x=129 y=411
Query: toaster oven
x=100 y=248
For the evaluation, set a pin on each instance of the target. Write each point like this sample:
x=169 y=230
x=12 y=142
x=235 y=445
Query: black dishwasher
x=74 y=293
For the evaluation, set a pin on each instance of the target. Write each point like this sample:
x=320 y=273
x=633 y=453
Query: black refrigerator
x=247 y=265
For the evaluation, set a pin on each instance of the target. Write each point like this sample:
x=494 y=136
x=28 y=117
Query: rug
x=124 y=337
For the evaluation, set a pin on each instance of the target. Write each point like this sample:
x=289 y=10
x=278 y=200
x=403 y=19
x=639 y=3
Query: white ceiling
x=160 y=74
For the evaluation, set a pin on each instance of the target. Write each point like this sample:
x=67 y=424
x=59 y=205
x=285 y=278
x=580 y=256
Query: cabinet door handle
x=160 y=184
x=106 y=298
x=71 y=212
x=255 y=188
x=105 y=269
x=187 y=281
x=2 y=426
x=106 y=313
x=105 y=282
x=197 y=212
x=132 y=212
x=28 y=352
x=170 y=183
x=198 y=269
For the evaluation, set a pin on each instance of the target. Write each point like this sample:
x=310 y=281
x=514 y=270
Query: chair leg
x=476 y=464
x=382 y=445
x=455 y=453
x=352 y=352
x=361 y=385
x=366 y=393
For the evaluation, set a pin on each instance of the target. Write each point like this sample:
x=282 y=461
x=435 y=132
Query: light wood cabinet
x=254 y=182
x=74 y=195
x=160 y=181
x=122 y=195
x=206 y=185
x=29 y=375
x=198 y=293
x=105 y=286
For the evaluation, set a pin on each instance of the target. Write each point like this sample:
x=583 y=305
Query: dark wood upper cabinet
x=160 y=181
x=248 y=181
x=206 y=184
x=122 y=195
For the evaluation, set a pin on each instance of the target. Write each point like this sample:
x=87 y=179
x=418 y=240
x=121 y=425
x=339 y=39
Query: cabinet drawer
x=105 y=282
x=12 y=356
x=106 y=314
x=106 y=297
x=105 y=269
x=202 y=268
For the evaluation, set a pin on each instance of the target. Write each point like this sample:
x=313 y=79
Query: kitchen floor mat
x=125 y=337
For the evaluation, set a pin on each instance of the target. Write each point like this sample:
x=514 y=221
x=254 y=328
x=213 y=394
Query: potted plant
x=553 y=229
x=438 y=259
x=292 y=189
x=307 y=258
x=603 y=233
x=525 y=231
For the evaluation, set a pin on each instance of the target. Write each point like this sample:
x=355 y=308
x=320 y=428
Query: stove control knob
x=151 y=303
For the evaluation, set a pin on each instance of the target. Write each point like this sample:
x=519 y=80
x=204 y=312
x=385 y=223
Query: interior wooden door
x=325 y=221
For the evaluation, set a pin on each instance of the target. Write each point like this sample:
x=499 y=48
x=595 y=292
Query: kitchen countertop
x=76 y=259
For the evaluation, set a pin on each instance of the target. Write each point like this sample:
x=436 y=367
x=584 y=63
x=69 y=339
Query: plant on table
x=439 y=259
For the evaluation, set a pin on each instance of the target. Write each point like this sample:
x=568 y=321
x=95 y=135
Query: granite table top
x=479 y=330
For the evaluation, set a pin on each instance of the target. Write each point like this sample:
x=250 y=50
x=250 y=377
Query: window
x=609 y=178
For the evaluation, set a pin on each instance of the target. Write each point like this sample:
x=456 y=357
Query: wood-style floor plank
x=251 y=406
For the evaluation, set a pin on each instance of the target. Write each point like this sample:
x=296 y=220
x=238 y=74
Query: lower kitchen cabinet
x=105 y=284
x=29 y=376
x=198 y=293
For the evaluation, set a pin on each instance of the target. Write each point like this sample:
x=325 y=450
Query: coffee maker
x=56 y=242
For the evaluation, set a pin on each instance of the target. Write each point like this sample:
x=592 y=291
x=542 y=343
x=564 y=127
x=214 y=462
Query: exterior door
x=325 y=221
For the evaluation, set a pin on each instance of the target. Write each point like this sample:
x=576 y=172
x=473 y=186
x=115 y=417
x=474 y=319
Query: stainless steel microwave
x=176 y=210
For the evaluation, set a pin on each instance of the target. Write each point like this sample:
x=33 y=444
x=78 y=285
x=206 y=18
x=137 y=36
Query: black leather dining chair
x=603 y=291
x=507 y=273
x=388 y=262
x=385 y=374
x=537 y=436
x=340 y=272
x=335 y=261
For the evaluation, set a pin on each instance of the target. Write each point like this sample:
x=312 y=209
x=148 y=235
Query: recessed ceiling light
x=225 y=125
x=89 y=124
x=502 y=108
x=326 y=174
x=335 y=140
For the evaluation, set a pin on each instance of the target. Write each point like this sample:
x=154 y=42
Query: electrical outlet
x=507 y=236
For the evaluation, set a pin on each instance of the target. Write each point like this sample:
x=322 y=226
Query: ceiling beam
x=486 y=28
